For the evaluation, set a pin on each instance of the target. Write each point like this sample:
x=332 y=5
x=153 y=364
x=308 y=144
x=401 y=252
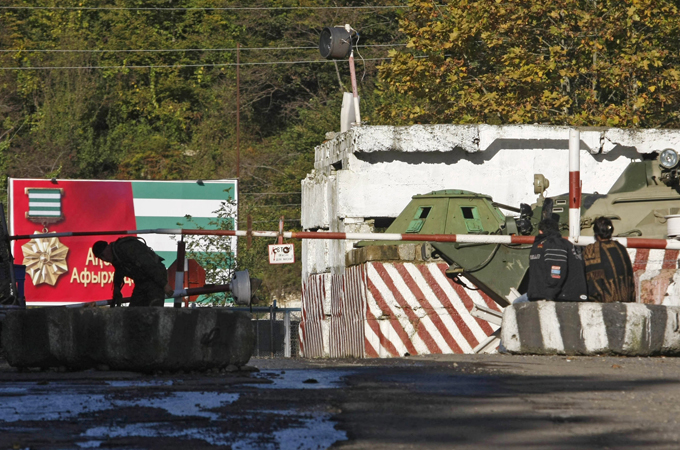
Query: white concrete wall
x=373 y=171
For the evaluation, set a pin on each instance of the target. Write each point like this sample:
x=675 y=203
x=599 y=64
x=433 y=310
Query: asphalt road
x=446 y=401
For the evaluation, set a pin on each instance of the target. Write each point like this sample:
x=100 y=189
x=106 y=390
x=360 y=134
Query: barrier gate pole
x=179 y=271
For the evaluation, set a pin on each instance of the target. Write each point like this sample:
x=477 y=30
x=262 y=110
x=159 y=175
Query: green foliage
x=579 y=62
x=179 y=121
x=215 y=253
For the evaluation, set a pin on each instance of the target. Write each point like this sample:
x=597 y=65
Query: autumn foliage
x=577 y=62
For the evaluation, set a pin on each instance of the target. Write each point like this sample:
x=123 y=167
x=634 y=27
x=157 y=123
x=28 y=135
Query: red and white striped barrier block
x=381 y=309
x=656 y=276
x=313 y=320
x=416 y=309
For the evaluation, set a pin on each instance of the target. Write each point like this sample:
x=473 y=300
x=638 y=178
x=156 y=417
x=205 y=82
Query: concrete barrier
x=383 y=309
x=579 y=328
x=137 y=339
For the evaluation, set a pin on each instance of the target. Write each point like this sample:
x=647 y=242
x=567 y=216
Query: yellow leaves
x=579 y=62
x=437 y=27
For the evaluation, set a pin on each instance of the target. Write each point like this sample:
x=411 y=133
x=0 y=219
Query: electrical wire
x=178 y=49
x=363 y=75
x=270 y=221
x=177 y=66
x=271 y=193
x=277 y=206
x=234 y=8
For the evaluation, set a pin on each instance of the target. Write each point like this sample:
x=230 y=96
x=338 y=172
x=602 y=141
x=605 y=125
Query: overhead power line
x=271 y=193
x=171 y=66
x=234 y=8
x=276 y=206
x=141 y=50
x=269 y=221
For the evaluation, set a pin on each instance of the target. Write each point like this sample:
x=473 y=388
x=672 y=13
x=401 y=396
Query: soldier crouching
x=132 y=258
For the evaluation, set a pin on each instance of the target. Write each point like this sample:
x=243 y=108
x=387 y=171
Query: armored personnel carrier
x=638 y=204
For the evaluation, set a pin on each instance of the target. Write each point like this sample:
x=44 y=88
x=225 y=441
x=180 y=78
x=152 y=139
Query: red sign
x=64 y=270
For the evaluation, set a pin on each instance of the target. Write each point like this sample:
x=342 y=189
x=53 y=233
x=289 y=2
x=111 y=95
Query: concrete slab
x=136 y=339
x=581 y=328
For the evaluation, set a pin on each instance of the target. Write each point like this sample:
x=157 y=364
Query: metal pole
x=286 y=341
x=186 y=275
x=355 y=95
x=271 y=327
x=238 y=110
x=202 y=290
x=574 y=184
x=280 y=238
x=13 y=290
x=179 y=271
x=176 y=294
x=249 y=231
x=667 y=244
x=257 y=336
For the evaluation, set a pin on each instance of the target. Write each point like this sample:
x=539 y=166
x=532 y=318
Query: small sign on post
x=281 y=254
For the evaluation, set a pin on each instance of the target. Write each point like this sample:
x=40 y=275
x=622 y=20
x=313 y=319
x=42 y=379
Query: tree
x=577 y=62
x=179 y=121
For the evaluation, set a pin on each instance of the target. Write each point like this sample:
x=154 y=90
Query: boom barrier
x=668 y=244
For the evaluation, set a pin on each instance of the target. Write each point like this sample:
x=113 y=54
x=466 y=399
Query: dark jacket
x=132 y=258
x=609 y=272
x=556 y=270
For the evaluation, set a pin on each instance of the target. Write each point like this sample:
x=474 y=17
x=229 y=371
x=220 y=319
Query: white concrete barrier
x=581 y=328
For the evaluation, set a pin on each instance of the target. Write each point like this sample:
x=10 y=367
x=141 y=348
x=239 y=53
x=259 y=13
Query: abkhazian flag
x=44 y=203
x=182 y=204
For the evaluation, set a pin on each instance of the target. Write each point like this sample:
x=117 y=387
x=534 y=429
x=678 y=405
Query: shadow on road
x=434 y=409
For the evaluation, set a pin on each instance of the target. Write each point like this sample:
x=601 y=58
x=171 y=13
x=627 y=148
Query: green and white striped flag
x=44 y=204
x=165 y=204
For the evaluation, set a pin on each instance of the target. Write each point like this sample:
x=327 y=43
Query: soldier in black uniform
x=132 y=258
x=556 y=269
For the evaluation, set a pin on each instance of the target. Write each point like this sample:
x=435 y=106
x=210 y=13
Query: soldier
x=556 y=270
x=132 y=258
x=608 y=267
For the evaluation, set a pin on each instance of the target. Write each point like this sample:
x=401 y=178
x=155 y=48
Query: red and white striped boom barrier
x=669 y=244
x=574 y=184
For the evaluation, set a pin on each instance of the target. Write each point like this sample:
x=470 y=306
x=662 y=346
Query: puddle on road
x=316 y=432
x=45 y=404
x=289 y=429
x=137 y=383
x=302 y=379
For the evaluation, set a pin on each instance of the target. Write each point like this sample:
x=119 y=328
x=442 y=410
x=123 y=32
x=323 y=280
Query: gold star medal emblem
x=45 y=260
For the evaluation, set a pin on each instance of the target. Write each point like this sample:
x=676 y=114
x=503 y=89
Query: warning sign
x=281 y=254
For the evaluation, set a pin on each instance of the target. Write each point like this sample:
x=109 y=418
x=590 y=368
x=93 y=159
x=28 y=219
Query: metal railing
x=290 y=344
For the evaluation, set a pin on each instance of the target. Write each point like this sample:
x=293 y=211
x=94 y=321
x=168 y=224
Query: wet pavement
x=191 y=411
x=445 y=401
